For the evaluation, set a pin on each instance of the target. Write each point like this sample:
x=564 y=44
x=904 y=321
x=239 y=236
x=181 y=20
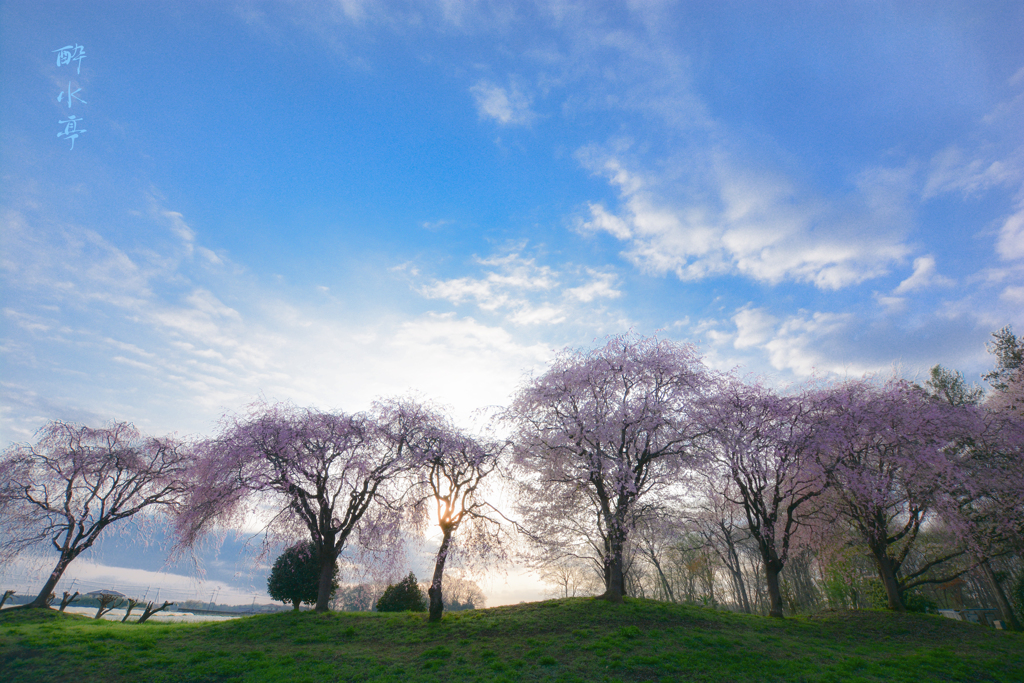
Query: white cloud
x=507 y=106
x=754 y=326
x=754 y=224
x=525 y=292
x=535 y=315
x=798 y=343
x=435 y=225
x=890 y=303
x=155 y=346
x=355 y=10
x=180 y=227
x=1013 y=295
x=600 y=220
x=952 y=171
x=601 y=287
x=1010 y=245
x=924 y=276
x=210 y=256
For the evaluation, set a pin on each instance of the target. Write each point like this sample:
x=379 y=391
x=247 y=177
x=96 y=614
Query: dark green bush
x=404 y=596
x=916 y=602
x=295 y=576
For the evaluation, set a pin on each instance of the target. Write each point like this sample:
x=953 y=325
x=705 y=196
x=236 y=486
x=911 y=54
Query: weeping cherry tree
x=75 y=482
x=597 y=435
x=330 y=474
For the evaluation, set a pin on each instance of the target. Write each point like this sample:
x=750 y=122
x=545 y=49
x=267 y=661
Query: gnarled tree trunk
x=434 y=592
x=323 y=597
x=772 y=569
x=887 y=574
x=43 y=599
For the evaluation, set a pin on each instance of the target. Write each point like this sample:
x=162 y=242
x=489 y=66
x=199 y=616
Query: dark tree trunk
x=65 y=601
x=43 y=599
x=150 y=611
x=295 y=605
x=887 y=574
x=107 y=603
x=132 y=602
x=616 y=579
x=1005 y=610
x=323 y=597
x=666 y=587
x=772 y=569
x=434 y=592
x=329 y=550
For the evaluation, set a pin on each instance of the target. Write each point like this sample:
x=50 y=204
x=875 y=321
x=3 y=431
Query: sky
x=328 y=202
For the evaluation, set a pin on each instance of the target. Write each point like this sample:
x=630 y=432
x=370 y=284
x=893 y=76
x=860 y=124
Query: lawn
x=577 y=639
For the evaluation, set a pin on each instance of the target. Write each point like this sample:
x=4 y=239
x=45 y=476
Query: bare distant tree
x=571 y=577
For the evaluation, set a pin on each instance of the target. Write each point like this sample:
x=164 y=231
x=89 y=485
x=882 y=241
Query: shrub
x=295 y=576
x=404 y=596
x=918 y=602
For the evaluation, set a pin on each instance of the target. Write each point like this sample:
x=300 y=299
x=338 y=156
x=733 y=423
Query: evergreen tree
x=1009 y=352
x=952 y=387
x=405 y=596
x=295 y=577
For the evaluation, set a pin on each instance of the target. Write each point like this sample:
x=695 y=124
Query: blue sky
x=326 y=202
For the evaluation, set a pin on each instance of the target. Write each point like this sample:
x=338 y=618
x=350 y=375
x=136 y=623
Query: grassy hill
x=559 y=640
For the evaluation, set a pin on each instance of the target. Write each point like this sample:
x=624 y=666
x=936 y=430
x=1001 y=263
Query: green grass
x=558 y=640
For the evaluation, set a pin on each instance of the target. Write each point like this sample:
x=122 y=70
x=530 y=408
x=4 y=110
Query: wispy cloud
x=954 y=170
x=527 y=293
x=508 y=106
x=103 y=312
x=924 y=276
x=753 y=224
x=1010 y=244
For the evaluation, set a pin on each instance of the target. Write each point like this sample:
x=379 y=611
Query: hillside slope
x=577 y=639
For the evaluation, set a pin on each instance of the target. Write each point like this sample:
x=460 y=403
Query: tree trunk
x=1005 y=610
x=42 y=600
x=665 y=586
x=65 y=601
x=150 y=611
x=434 y=592
x=772 y=569
x=295 y=604
x=323 y=596
x=888 y=577
x=737 y=572
x=741 y=589
x=616 y=580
